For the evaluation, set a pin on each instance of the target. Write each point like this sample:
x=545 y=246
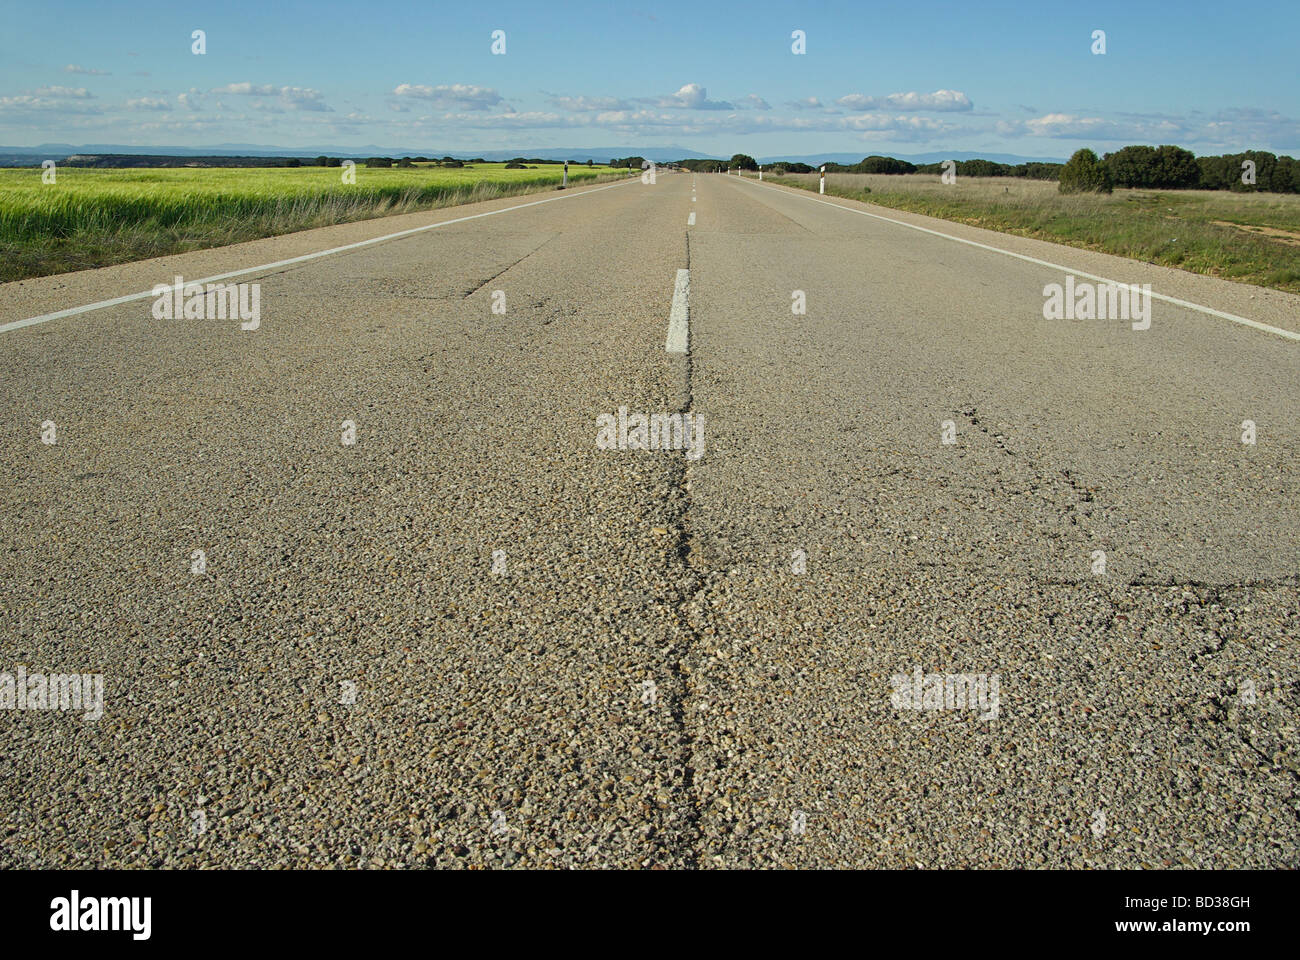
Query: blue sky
x=717 y=78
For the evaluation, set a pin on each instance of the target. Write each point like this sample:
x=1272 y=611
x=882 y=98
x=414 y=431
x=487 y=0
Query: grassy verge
x=93 y=217
x=1248 y=237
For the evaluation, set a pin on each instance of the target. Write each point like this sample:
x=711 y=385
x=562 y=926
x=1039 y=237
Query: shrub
x=1085 y=174
x=1162 y=168
x=878 y=164
x=1043 y=171
x=982 y=168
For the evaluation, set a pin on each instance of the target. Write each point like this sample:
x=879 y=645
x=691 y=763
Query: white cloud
x=524 y=120
x=673 y=122
x=941 y=101
x=25 y=106
x=461 y=96
x=1232 y=130
x=247 y=89
x=584 y=104
x=291 y=98
x=73 y=68
x=754 y=102
x=70 y=93
x=1068 y=126
x=692 y=96
x=1246 y=127
x=148 y=103
x=303 y=98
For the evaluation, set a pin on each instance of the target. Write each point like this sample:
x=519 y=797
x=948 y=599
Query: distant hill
x=917 y=158
x=29 y=156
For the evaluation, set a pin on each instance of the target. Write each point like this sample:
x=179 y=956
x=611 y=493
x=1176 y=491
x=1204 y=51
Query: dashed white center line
x=690 y=221
x=679 y=316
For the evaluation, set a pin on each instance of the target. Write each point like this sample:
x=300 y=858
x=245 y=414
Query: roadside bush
x=1043 y=171
x=983 y=168
x=1286 y=176
x=878 y=164
x=1176 y=168
x=1084 y=173
x=1162 y=168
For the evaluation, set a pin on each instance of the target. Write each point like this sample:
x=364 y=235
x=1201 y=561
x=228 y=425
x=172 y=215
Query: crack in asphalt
x=469 y=293
x=690 y=585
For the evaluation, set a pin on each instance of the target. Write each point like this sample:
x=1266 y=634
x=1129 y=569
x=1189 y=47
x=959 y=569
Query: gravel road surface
x=367 y=588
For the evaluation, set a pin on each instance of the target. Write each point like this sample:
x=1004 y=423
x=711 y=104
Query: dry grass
x=1205 y=231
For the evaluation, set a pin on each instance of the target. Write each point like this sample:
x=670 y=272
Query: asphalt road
x=476 y=637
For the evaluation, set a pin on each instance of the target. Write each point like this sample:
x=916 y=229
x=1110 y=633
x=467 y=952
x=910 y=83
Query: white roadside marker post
x=760 y=172
x=822 y=187
x=566 y=175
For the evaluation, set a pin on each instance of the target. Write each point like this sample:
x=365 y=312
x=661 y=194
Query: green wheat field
x=94 y=217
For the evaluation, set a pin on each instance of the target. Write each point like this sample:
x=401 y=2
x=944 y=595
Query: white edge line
x=1288 y=334
x=73 y=311
x=679 y=316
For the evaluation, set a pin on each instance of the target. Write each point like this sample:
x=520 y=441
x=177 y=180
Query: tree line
x=1173 y=168
x=1164 y=167
x=403 y=162
x=877 y=164
x=515 y=162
